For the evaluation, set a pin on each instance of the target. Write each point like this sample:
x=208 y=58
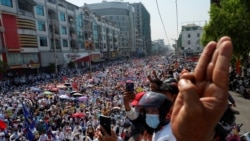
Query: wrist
x=127 y=107
x=195 y=137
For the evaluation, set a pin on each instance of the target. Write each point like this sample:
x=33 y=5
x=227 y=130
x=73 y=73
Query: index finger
x=103 y=131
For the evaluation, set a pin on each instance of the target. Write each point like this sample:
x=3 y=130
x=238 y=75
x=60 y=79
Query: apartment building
x=143 y=29
x=37 y=33
x=190 y=39
x=121 y=14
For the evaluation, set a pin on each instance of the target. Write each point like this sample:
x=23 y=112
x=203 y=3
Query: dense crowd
x=67 y=106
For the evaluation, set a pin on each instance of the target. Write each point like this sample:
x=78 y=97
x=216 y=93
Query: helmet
x=156 y=100
x=170 y=85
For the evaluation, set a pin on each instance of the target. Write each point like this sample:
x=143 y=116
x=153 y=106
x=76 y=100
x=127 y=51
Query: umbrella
x=64 y=96
x=40 y=95
x=2 y=125
x=100 y=74
x=78 y=115
x=83 y=98
x=90 y=86
x=35 y=89
x=116 y=108
x=47 y=92
x=77 y=94
x=90 y=80
x=53 y=89
x=61 y=86
x=67 y=84
x=72 y=92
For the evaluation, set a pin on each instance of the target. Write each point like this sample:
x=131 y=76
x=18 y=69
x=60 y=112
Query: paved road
x=243 y=106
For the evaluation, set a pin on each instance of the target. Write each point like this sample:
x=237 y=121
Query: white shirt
x=43 y=137
x=132 y=114
x=165 y=134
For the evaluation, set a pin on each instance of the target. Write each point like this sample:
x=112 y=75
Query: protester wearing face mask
x=157 y=106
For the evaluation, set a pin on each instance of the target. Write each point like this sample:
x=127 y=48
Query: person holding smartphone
x=141 y=129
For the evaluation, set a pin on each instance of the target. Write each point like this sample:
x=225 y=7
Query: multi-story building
x=157 y=46
x=105 y=35
x=121 y=14
x=37 y=33
x=190 y=39
x=19 y=40
x=143 y=29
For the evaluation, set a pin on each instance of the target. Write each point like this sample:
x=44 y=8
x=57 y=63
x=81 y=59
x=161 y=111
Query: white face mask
x=152 y=120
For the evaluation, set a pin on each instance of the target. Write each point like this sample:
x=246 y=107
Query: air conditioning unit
x=2 y=28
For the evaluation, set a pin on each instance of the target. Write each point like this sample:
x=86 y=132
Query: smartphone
x=105 y=122
x=130 y=86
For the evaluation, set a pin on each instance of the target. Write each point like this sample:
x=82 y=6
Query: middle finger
x=201 y=67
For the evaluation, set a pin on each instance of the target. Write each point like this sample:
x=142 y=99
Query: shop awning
x=83 y=59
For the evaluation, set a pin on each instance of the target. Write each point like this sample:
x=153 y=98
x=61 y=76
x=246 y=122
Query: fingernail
x=182 y=83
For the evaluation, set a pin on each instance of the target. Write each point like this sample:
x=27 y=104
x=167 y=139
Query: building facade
x=123 y=15
x=143 y=29
x=37 y=33
x=190 y=39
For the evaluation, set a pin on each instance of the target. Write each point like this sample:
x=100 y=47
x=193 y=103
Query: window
x=43 y=42
x=198 y=34
x=39 y=10
x=63 y=30
x=41 y=26
x=15 y=59
x=65 y=43
x=6 y=3
x=52 y=1
x=62 y=17
x=189 y=42
x=189 y=35
x=198 y=42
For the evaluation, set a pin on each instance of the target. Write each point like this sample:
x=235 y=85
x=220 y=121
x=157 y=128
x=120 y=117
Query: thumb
x=188 y=91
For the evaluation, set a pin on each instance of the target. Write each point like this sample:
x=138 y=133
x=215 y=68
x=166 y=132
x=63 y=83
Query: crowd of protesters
x=68 y=105
x=49 y=107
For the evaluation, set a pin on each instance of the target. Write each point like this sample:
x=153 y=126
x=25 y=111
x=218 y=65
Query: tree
x=231 y=18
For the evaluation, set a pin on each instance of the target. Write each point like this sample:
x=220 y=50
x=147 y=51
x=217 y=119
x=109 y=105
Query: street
x=242 y=105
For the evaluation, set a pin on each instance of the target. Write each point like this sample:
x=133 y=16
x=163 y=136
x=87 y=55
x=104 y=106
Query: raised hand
x=203 y=95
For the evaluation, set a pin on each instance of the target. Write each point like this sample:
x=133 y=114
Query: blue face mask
x=152 y=120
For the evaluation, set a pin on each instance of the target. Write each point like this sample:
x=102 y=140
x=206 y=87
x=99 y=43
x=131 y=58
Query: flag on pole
x=29 y=123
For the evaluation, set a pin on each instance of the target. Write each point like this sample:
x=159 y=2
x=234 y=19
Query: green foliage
x=231 y=18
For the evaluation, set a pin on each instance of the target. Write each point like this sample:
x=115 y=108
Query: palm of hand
x=203 y=95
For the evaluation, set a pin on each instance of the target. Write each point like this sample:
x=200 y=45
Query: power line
x=162 y=22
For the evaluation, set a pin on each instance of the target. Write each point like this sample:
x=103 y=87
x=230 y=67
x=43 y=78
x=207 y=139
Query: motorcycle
x=245 y=137
x=240 y=85
x=227 y=127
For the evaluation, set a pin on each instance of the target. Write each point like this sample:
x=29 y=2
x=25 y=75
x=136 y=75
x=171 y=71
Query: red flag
x=238 y=66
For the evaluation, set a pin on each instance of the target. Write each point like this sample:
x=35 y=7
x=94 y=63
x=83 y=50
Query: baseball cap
x=137 y=98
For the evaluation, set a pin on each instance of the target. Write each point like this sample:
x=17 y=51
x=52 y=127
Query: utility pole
x=177 y=27
x=90 y=56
